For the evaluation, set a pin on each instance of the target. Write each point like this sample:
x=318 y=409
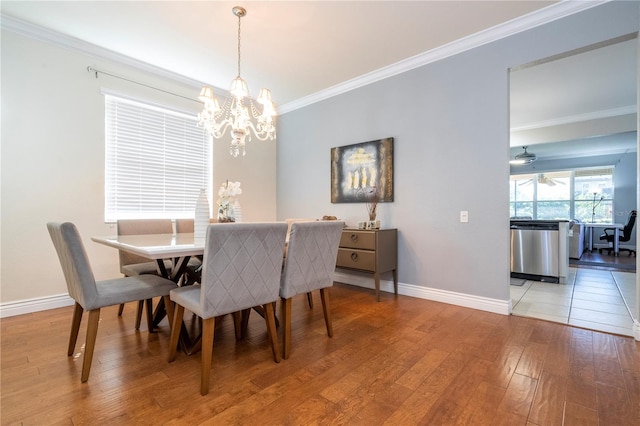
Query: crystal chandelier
x=238 y=113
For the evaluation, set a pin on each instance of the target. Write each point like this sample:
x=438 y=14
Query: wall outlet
x=464 y=216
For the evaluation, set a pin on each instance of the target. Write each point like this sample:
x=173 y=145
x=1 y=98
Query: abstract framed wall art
x=362 y=169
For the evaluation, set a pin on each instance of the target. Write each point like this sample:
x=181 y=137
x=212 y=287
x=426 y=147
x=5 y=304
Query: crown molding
x=52 y=37
x=543 y=16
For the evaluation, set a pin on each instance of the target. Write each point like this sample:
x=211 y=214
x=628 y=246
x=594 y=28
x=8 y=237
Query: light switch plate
x=464 y=216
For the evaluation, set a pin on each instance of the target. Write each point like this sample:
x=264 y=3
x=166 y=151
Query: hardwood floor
x=401 y=361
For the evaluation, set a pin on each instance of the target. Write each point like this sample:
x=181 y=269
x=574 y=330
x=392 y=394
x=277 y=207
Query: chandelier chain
x=239 y=18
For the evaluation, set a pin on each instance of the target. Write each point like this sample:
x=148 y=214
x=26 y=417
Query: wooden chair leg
x=245 y=322
x=260 y=311
x=75 y=328
x=120 y=309
x=310 y=300
x=149 y=305
x=270 y=318
x=326 y=309
x=176 y=326
x=139 y=314
x=286 y=320
x=208 y=330
x=275 y=309
x=92 y=333
x=237 y=324
x=169 y=307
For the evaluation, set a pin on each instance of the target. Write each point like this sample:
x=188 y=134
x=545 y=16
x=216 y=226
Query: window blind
x=156 y=161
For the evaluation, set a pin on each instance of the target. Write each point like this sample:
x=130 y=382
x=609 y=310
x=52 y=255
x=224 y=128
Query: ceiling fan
x=524 y=158
x=543 y=180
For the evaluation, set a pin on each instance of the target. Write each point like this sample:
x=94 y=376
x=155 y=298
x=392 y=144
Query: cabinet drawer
x=358 y=240
x=356 y=259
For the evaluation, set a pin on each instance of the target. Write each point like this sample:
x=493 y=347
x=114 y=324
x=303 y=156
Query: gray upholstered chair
x=290 y=222
x=310 y=265
x=184 y=226
x=132 y=265
x=241 y=269
x=91 y=295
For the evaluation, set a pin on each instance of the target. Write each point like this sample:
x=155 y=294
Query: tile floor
x=594 y=299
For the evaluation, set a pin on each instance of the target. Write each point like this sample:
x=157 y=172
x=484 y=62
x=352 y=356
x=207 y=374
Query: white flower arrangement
x=229 y=190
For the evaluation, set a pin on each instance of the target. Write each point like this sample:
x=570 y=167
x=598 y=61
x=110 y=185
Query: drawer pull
x=354 y=257
x=354 y=237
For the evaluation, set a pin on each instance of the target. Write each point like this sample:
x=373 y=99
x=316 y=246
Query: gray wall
x=450 y=121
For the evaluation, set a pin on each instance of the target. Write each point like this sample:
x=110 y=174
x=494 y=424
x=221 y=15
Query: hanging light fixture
x=238 y=113
x=524 y=158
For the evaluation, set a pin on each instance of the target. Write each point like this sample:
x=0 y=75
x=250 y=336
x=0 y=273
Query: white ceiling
x=302 y=48
x=584 y=95
x=296 y=48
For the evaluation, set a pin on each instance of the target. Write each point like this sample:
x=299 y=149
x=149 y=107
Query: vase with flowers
x=372 y=205
x=371 y=198
x=228 y=193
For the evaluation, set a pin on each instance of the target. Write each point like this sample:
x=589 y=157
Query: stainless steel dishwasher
x=539 y=250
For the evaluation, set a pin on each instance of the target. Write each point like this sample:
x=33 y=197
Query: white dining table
x=616 y=226
x=177 y=247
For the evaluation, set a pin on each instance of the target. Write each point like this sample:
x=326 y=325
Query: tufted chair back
x=241 y=268
x=311 y=257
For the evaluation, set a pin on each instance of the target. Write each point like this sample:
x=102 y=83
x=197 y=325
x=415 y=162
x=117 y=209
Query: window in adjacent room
x=593 y=195
x=522 y=196
x=584 y=194
x=156 y=161
x=553 y=195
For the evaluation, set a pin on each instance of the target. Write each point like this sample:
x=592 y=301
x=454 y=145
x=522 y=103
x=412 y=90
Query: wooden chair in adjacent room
x=132 y=265
x=310 y=265
x=241 y=269
x=92 y=295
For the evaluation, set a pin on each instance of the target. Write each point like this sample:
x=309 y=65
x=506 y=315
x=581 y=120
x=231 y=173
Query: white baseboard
x=460 y=299
x=21 y=307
